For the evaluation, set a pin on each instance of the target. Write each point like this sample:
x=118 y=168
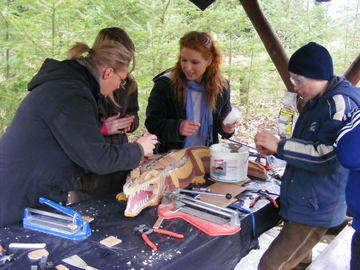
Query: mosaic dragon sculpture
x=146 y=184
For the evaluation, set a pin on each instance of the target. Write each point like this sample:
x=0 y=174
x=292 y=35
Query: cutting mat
x=222 y=188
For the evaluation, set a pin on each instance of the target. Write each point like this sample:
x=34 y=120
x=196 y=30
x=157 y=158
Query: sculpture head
x=146 y=184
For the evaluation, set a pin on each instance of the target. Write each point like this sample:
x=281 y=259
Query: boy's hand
x=266 y=143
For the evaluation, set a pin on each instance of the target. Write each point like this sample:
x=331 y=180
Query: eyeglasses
x=123 y=83
x=299 y=81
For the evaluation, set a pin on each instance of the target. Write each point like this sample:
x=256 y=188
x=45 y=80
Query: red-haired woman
x=189 y=102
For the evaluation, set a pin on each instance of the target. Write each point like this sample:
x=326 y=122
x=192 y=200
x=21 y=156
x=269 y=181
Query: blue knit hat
x=312 y=61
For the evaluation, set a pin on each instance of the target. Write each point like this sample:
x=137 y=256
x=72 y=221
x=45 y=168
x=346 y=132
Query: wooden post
x=353 y=72
x=269 y=39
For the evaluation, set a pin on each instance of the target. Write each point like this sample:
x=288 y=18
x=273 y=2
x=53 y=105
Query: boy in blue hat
x=348 y=154
x=312 y=197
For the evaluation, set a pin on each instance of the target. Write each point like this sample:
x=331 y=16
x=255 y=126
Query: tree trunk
x=230 y=55
x=269 y=39
x=53 y=28
x=353 y=73
x=7 y=52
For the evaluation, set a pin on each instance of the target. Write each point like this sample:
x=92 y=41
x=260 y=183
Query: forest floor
x=260 y=114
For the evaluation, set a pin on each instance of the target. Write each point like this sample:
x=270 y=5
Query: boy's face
x=307 y=88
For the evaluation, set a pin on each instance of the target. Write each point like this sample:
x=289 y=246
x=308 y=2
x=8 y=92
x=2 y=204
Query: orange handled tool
x=263 y=194
x=173 y=234
x=148 y=241
x=145 y=230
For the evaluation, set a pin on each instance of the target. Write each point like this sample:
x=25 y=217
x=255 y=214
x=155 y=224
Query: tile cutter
x=212 y=219
x=70 y=226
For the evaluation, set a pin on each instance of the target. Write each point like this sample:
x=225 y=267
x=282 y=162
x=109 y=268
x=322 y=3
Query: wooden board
x=222 y=188
x=329 y=257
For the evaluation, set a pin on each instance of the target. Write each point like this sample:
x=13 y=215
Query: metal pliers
x=265 y=161
x=145 y=230
x=263 y=194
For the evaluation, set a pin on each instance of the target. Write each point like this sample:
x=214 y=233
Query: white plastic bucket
x=228 y=162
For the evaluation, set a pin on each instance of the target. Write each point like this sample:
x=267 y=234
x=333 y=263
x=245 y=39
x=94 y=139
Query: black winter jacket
x=164 y=114
x=53 y=137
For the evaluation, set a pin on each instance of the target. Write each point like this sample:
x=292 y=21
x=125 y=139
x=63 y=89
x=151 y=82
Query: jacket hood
x=166 y=74
x=52 y=70
x=340 y=85
x=335 y=83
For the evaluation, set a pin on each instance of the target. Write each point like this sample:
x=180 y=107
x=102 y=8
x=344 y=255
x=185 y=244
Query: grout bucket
x=228 y=162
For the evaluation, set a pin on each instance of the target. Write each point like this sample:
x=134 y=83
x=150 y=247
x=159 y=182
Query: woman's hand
x=266 y=143
x=147 y=142
x=188 y=127
x=117 y=125
x=229 y=128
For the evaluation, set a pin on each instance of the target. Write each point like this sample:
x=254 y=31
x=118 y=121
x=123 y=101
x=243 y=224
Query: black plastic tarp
x=196 y=251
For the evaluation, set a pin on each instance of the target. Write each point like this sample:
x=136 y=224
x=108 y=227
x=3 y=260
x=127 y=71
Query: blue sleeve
x=319 y=155
x=348 y=142
x=310 y=156
x=340 y=108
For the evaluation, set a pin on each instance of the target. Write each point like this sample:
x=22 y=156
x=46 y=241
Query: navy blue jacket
x=164 y=113
x=348 y=146
x=53 y=137
x=313 y=184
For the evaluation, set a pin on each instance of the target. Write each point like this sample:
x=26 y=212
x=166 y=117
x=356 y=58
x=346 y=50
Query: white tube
x=27 y=245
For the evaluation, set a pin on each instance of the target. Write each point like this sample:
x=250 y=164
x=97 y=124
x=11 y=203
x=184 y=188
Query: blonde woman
x=118 y=113
x=55 y=133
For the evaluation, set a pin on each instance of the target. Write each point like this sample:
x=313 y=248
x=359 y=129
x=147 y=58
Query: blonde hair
x=213 y=79
x=119 y=35
x=107 y=53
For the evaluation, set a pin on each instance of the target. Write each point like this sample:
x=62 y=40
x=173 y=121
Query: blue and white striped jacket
x=348 y=146
x=313 y=185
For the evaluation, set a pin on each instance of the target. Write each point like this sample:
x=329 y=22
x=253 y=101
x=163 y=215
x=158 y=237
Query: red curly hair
x=213 y=79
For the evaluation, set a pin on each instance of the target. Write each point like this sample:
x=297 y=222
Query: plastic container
x=228 y=162
x=287 y=116
x=233 y=116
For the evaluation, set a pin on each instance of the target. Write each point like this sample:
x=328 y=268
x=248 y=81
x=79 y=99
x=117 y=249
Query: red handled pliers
x=263 y=194
x=145 y=230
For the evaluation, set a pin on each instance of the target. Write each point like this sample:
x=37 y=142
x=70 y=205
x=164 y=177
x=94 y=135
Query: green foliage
x=32 y=30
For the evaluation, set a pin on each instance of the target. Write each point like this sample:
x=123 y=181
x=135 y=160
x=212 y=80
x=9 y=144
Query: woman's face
x=111 y=80
x=193 y=64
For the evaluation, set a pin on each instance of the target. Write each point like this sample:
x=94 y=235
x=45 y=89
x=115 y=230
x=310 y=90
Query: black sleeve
x=133 y=108
x=224 y=111
x=162 y=117
x=76 y=130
